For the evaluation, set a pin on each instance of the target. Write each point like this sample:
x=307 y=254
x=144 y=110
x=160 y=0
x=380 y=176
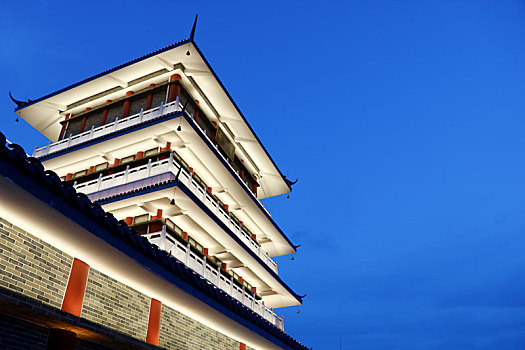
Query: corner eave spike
x=192 y=34
x=290 y=183
x=17 y=102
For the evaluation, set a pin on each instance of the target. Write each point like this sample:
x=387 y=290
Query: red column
x=84 y=120
x=152 y=336
x=174 y=88
x=154 y=227
x=158 y=216
x=127 y=105
x=213 y=133
x=83 y=124
x=196 y=113
x=76 y=287
x=242 y=346
x=105 y=113
x=168 y=147
x=64 y=126
x=149 y=100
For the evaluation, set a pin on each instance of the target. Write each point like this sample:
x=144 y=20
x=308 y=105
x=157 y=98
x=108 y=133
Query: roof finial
x=192 y=34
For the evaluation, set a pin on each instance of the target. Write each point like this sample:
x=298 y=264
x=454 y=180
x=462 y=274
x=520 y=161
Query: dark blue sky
x=403 y=120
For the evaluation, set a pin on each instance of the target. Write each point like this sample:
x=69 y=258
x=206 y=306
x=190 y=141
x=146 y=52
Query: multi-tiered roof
x=160 y=144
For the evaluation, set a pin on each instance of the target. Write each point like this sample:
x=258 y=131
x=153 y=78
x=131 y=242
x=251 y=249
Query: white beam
x=119 y=82
x=191 y=72
x=54 y=105
x=165 y=63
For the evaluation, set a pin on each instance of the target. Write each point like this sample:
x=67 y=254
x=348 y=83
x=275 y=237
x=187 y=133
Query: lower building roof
x=29 y=174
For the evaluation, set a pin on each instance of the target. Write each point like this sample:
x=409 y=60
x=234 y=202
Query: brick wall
x=178 y=331
x=32 y=267
x=35 y=269
x=115 y=305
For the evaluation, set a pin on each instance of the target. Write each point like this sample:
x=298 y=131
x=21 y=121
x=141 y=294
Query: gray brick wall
x=115 y=305
x=32 y=267
x=178 y=331
x=36 y=269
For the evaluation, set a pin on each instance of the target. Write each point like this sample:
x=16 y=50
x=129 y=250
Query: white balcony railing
x=213 y=274
x=158 y=172
x=134 y=119
x=119 y=124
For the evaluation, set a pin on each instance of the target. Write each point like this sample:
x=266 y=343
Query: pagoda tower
x=159 y=143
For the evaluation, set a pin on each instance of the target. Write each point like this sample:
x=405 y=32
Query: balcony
x=101 y=131
x=157 y=172
x=170 y=239
x=134 y=120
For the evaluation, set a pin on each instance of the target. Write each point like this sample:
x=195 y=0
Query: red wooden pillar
x=76 y=287
x=242 y=346
x=84 y=121
x=152 y=336
x=213 y=133
x=155 y=226
x=149 y=100
x=167 y=148
x=158 y=216
x=105 y=113
x=127 y=105
x=174 y=87
x=64 y=127
x=196 y=113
